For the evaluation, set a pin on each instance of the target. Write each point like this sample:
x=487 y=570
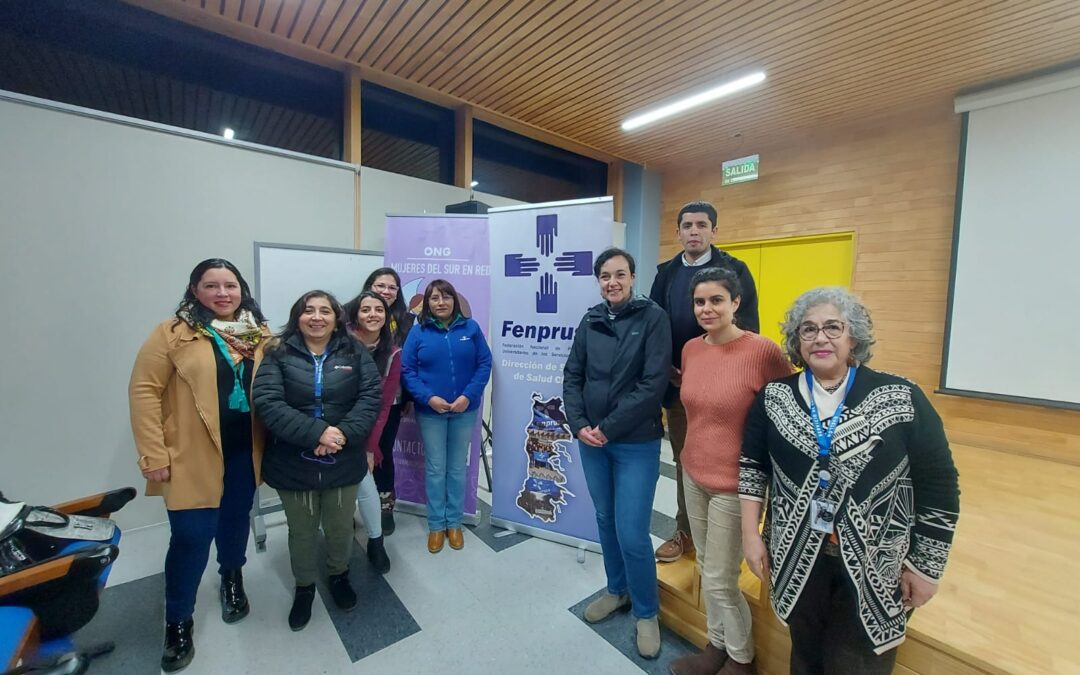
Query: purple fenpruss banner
x=422 y=249
x=541 y=286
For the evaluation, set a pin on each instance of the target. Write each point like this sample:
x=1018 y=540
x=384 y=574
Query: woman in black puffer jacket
x=318 y=392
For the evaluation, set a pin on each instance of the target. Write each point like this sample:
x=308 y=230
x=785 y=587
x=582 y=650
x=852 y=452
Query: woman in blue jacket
x=445 y=364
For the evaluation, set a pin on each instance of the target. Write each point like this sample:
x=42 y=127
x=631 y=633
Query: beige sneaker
x=603 y=607
x=648 y=638
x=674 y=548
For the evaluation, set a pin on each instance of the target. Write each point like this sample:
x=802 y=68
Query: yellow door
x=785 y=268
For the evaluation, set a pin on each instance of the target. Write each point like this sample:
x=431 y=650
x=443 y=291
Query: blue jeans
x=622 y=482
x=446 y=453
x=194 y=529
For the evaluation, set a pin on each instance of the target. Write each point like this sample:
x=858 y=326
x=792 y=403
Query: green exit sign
x=740 y=170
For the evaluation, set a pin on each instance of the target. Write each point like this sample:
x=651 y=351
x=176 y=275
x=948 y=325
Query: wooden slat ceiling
x=577 y=68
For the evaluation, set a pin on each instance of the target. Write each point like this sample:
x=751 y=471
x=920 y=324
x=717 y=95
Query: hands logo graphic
x=517 y=265
x=547 y=299
x=547 y=228
x=577 y=263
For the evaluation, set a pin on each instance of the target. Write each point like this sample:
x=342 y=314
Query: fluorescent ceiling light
x=228 y=134
x=474 y=183
x=693 y=101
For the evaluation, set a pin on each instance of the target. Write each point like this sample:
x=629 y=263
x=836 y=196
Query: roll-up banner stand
x=541 y=286
x=423 y=248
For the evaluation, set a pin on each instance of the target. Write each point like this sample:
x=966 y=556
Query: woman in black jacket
x=613 y=385
x=318 y=393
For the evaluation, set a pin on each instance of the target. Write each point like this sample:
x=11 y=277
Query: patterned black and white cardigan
x=893 y=476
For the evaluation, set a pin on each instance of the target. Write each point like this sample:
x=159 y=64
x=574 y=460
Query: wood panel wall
x=894 y=183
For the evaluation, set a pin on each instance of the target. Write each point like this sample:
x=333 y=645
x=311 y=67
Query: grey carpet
x=619 y=632
x=662 y=525
x=486 y=531
x=379 y=620
x=667 y=470
x=130 y=615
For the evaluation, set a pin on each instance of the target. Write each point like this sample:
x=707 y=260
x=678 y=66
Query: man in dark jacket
x=613 y=387
x=695 y=228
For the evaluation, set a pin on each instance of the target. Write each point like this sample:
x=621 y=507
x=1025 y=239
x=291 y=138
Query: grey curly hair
x=855 y=315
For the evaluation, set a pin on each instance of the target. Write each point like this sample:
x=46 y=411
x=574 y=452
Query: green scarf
x=237 y=398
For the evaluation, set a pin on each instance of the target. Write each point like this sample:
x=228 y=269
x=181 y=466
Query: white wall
x=382 y=192
x=100 y=225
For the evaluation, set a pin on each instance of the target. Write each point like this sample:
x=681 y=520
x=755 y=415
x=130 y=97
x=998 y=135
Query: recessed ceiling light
x=693 y=101
x=228 y=134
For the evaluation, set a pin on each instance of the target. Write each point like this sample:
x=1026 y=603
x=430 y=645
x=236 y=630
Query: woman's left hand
x=915 y=590
x=460 y=405
x=371 y=462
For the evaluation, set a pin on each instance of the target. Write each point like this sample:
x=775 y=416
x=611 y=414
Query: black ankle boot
x=376 y=555
x=300 y=613
x=179 y=647
x=342 y=591
x=234 y=602
x=388 y=524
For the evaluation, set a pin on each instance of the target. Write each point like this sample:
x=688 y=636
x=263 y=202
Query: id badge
x=822 y=515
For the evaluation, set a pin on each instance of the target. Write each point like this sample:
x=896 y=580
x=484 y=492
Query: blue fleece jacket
x=446 y=362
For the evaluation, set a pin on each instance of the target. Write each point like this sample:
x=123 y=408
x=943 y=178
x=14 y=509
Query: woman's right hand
x=332 y=438
x=438 y=404
x=157 y=475
x=591 y=436
x=757 y=556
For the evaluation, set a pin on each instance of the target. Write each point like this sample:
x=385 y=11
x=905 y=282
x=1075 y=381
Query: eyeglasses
x=808 y=332
x=385 y=287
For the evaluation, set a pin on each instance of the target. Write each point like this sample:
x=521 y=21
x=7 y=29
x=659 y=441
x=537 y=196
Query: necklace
x=832 y=388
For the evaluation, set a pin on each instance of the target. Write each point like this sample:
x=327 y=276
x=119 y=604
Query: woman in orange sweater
x=723 y=371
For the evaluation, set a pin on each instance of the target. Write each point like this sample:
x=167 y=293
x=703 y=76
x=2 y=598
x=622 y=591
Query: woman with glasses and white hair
x=861 y=487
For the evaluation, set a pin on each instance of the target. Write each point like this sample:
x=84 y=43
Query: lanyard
x=825 y=436
x=319 y=360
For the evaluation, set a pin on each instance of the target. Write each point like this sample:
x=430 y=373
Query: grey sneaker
x=648 y=638
x=602 y=607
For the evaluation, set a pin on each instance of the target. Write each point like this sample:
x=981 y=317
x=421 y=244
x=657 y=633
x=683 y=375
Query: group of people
x=852 y=463
x=861 y=490
x=220 y=404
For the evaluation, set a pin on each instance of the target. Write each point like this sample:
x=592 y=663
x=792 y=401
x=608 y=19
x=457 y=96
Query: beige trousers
x=716 y=526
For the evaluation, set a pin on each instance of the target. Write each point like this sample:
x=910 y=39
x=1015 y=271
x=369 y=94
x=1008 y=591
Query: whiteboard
x=284 y=272
x=1011 y=334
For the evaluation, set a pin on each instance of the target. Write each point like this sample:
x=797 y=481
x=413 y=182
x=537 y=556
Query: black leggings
x=384 y=473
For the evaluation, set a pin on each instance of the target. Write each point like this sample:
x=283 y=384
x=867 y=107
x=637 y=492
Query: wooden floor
x=1010 y=600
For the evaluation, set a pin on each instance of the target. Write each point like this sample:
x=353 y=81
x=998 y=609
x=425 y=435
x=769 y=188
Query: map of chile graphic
x=544 y=490
x=577 y=263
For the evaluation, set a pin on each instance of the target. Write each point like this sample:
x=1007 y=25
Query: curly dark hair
x=204 y=314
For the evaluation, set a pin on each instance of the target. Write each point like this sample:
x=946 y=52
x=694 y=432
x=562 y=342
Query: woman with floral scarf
x=198 y=444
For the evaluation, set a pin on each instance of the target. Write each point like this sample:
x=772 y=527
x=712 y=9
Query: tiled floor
x=501 y=605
